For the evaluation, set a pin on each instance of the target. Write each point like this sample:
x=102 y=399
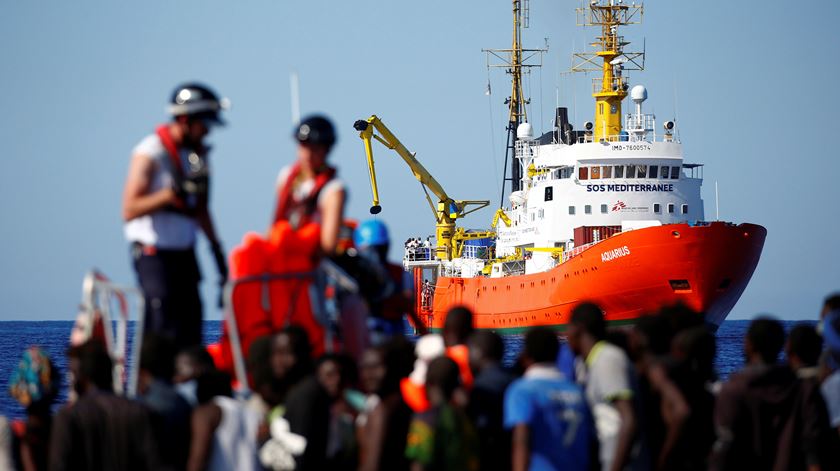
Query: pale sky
x=750 y=84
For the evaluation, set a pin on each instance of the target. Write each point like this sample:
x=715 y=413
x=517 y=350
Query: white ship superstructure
x=631 y=180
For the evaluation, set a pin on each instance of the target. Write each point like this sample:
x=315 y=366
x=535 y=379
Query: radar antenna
x=515 y=60
x=611 y=88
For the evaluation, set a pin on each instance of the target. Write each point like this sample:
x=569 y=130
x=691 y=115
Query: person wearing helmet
x=308 y=190
x=165 y=202
x=393 y=297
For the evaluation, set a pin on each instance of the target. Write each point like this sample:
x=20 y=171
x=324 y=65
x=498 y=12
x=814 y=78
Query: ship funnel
x=525 y=132
x=562 y=127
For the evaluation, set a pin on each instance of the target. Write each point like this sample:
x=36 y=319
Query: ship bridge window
x=657 y=208
x=595 y=173
x=641 y=171
x=549 y=193
x=606 y=171
x=665 y=171
x=571 y=210
x=684 y=209
x=675 y=173
x=603 y=209
x=619 y=171
x=670 y=208
x=587 y=209
x=631 y=171
x=653 y=171
x=583 y=173
x=566 y=172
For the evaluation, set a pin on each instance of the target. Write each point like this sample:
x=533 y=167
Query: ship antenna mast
x=611 y=88
x=515 y=60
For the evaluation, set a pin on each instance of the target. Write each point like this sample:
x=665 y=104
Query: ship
x=610 y=214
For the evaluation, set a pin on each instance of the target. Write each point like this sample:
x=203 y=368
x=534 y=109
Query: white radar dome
x=638 y=94
x=525 y=132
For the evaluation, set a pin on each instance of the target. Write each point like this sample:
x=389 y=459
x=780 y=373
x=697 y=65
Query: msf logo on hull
x=618 y=206
x=614 y=254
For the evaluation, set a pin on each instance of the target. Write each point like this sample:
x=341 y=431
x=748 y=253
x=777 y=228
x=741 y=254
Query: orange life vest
x=266 y=307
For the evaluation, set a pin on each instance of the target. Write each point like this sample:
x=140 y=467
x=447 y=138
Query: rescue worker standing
x=308 y=190
x=165 y=202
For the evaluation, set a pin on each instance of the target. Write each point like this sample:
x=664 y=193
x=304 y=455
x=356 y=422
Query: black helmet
x=196 y=100
x=315 y=129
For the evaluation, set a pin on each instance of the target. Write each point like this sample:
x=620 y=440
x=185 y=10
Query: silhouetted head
x=485 y=347
x=831 y=303
x=587 y=325
x=804 y=346
x=91 y=366
x=695 y=349
x=541 y=346
x=443 y=377
x=398 y=354
x=335 y=372
x=211 y=384
x=458 y=326
x=291 y=352
x=192 y=362
x=764 y=340
x=157 y=357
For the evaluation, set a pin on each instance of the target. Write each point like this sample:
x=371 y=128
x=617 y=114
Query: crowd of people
x=642 y=398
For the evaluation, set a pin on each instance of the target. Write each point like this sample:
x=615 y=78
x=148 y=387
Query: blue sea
x=53 y=336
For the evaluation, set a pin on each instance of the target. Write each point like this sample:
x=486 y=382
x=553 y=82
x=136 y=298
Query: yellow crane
x=446 y=211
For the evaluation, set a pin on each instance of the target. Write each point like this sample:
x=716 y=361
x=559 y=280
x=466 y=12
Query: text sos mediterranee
x=639 y=187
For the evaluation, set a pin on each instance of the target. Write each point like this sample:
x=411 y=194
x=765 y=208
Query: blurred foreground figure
x=609 y=386
x=383 y=283
x=830 y=326
x=100 y=430
x=487 y=397
x=757 y=414
x=551 y=422
x=165 y=202
x=224 y=430
x=34 y=384
x=442 y=437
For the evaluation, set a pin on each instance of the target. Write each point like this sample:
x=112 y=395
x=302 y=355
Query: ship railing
x=617 y=83
x=571 y=253
x=639 y=123
x=419 y=254
x=647 y=136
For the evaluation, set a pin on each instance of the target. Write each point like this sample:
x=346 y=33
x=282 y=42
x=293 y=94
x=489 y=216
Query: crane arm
x=445 y=209
x=386 y=137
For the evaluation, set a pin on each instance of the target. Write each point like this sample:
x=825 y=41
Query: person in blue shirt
x=551 y=423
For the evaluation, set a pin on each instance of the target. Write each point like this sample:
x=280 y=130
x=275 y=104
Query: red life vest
x=288 y=208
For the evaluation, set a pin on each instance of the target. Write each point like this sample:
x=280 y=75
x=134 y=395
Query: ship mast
x=515 y=60
x=611 y=88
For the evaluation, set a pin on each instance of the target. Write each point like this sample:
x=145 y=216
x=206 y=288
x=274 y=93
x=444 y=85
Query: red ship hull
x=633 y=273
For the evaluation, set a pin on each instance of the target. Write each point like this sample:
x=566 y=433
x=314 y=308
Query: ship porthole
x=675 y=234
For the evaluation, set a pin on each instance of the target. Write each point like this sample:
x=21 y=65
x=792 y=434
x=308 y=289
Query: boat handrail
x=648 y=136
x=575 y=251
x=98 y=292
